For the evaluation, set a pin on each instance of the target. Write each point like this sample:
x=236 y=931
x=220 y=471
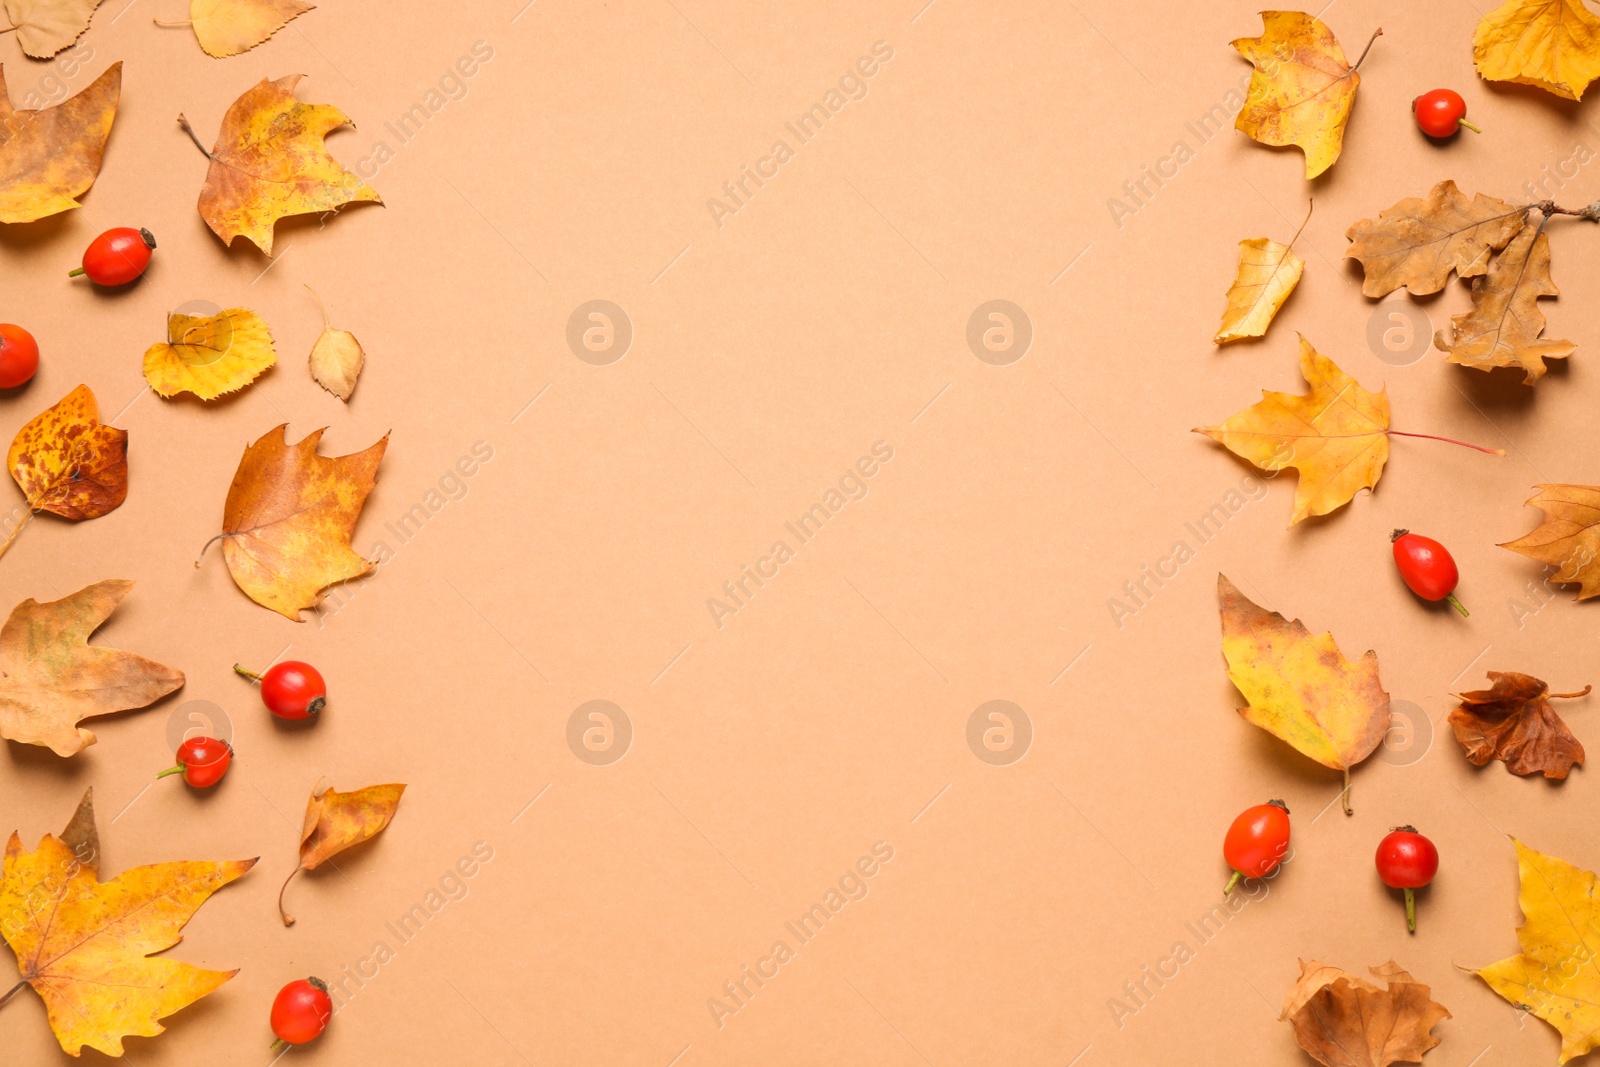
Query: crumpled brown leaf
x=1503 y=327
x=1513 y=721
x=336 y=821
x=1419 y=241
x=1345 y=1021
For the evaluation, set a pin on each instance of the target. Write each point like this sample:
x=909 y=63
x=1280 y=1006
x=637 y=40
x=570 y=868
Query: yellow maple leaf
x=1568 y=536
x=1301 y=688
x=45 y=27
x=1419 y=241
x=229 y=27
x=50 y=157
x=1556 y=975
x=270 y=162
x=1336 y=436
x=1503 y=327
x=1268 y=272
x=1301 y=90
x=209 y=355
x=1553 y=44
x=87 y=947
x=287 y=522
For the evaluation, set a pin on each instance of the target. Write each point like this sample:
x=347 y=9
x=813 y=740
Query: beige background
x=769 y=354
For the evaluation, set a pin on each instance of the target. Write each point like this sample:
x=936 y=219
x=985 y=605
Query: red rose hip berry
x=1440 y=112
x=117 y=256
x=1256 y=842
x=202 y=761
x=1427 y=567
x=19 y=356
x=300 y=1012
x=1407 y=860
x=291 y=689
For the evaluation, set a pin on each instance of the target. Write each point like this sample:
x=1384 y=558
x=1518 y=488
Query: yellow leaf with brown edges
x=1419 y=241
x=1568 y=537
x=90 y=948
x=335 y=821
x=287 y=522
x=1335 y=436
x=1300 y=688
x=1513 y=721
x=1345 y=1021
x=1552 y=44
x=1268 y=273
x=1301 y=90
x=1503 y=327
x=50 y=157
x=209 y=355
x=51 y=678
x=229 y=27
x=68 y=462
x=45 y=27
x=270 y=162
x=1556 y=975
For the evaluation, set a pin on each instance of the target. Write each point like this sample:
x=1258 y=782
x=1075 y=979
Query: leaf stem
x=14 y=990
x=288 y=920
x=1310 y=204
x=8 y=29
x=1344 y=797
x=1375 y=35
x=326 y=325
x=203 y=548
x=1568 y=696
x=188 y=129
x=12 y=536
x=173 y=25
x=1447 y=440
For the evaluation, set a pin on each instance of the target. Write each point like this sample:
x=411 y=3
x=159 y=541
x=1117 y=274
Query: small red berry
x=1441 y=112
x=1256 y=842
x=1407 y=860
x=300 y=1011
x=1427 y=567
x=291 y=689
x=117 y=256
x=19 y=355
x=202 y=761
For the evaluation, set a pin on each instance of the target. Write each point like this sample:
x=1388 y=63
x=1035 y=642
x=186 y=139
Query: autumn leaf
x=336 y=821
x=1335 y=436
x=287 y=522
x=229 y=27
x=51 y=677
x=1553 y=44
x=1300 y=688
x=1513 y=721
x=1568 y=537
x=336 y=358
x=270 y=162
x=1556 y=976
x=1503 y=327
x=1301 y=90
x=69 y=463
x=88 y=948
x=1419 y=241
x=1268 y=273
x=209 y=355
x=1345 y=1021
x=45 y=27
x=50 y=157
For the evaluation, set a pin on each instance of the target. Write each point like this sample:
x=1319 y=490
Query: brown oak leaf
x=1513 y=721
x=1503 y=327
x=1419 y=241
x=1345 y=1021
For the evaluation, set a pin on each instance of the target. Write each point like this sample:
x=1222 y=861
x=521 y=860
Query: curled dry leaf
x=335 y=821
x=1419 y=241
x=1345 y=1021
x=1335 y=436
x=1301 y=90
x=1552 y=44
x=1513 y=721
x=1300 y=688
x=209 y=355
x=287 y=522
x=51 y=677
x=88 y=947
x=336 y=358
x=45 y=27
x=69 y=463
x=270 y=162
x=1503 y=327
x=1556 y=976
x=1568 y=537
x=229 y=27
x=50 y=157
x=1268 y=273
